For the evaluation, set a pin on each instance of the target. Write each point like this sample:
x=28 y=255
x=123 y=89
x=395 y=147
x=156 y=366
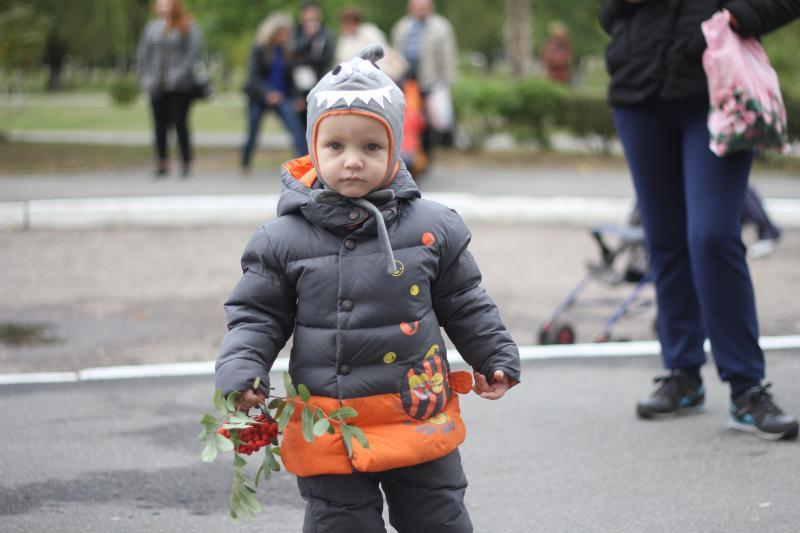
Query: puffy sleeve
x=612 y=10
x=260 y=312
x=763 y=16
x=466 y=312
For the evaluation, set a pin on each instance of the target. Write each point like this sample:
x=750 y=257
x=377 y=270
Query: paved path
x=562 y=452
x=575 y=194
x=112 y=297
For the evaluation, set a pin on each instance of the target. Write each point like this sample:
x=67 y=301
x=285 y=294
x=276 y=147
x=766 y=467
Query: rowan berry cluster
x=262 y=432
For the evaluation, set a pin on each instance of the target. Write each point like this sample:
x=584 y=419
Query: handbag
x=746 y=106
x=201 y=88
x=439 y=108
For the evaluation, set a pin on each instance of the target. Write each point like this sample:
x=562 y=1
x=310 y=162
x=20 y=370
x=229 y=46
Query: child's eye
x=372 y=147
x=335 y=146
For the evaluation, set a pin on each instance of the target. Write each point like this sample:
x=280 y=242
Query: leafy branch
x=237 y=432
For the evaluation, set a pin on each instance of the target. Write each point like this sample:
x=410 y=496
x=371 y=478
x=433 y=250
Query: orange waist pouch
x=396 y=439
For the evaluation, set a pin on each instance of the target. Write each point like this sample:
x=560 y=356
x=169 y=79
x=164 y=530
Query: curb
x=183 y=211
x=206 y=368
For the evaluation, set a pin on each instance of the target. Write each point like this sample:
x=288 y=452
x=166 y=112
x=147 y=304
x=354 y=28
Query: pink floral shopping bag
x=747 y=111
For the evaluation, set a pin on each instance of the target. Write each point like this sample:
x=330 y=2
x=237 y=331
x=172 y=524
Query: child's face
x=352 y=153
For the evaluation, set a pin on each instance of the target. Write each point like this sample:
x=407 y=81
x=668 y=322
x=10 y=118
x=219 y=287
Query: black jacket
x=657 y=46
x=315 y=50
x=256 y=86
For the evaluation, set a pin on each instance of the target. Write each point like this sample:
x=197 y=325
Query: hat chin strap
x=329 y=196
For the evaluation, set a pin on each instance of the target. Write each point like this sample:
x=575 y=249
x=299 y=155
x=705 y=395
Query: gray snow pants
x=421 y=498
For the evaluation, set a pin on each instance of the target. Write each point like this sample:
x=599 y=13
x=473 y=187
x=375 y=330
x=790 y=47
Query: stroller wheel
x=556 y=333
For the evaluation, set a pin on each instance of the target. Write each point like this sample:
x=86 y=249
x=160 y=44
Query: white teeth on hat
x=329 y=98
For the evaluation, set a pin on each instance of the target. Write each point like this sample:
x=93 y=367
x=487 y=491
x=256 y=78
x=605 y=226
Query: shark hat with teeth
x=360 y=86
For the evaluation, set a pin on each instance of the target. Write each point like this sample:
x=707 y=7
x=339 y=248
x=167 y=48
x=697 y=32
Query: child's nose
x=353 y=160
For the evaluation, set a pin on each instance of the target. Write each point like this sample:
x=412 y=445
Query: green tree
x=22 y=38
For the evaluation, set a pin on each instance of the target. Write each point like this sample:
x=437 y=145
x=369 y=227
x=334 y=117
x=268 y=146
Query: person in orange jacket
x=364 y=273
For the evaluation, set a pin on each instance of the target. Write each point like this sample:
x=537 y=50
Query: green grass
x=36 y=158
x=80 y=111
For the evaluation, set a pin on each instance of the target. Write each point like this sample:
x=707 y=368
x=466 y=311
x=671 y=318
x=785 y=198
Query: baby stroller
x=623 y=259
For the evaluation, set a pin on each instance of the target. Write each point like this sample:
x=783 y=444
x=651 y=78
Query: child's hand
x=250 y=398
x=494 y=391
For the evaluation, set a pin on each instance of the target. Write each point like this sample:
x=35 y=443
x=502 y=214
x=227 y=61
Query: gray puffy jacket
x=317 y=271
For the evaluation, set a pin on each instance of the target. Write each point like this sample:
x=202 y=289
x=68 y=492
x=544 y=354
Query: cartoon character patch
x=426 y=389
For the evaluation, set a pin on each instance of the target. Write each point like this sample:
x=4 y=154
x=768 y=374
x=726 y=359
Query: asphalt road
x=562 y=452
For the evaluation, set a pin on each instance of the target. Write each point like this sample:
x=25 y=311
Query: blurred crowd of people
x=287 y=58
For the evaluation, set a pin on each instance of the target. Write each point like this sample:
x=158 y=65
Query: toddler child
x=363 y=273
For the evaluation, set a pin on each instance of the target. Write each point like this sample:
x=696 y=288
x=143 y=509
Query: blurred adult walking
x=691 y=202
x=270 y=86
x=170 y=49
x=314 y=45
x=355 y=33
x=428 y=43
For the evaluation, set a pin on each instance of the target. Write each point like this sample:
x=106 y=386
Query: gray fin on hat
x=372 y=52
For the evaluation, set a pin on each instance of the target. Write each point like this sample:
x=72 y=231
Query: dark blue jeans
x=755 y=213
x=691 y=203
x=255 y=112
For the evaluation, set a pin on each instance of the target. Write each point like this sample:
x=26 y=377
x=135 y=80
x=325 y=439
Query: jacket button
x=344 y=369
x=347 y=305
x=354 y=214
x=350 y=244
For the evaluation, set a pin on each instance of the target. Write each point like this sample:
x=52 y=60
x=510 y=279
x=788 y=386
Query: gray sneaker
x=755 y=412
x=679 y=392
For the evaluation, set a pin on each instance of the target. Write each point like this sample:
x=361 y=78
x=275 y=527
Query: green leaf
x=239 y=502
x=224 y=444
x=240 y=418
x=321 y=426
x=287 y=384
x=210 y=451
x=305 y=395
x=248 y=498
x=360 y=437
x=331 y=430
x=230 y=401
x=271 y=462
x=236 y=426
x=209 y=422
x=260 y=470
x=219 y=402
x=281 y=407
x=238 y=461
x=275 y=402
x=347 y=436
x=343 y=412
x=307 y=423
x=286 y=415
x=276 y=450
